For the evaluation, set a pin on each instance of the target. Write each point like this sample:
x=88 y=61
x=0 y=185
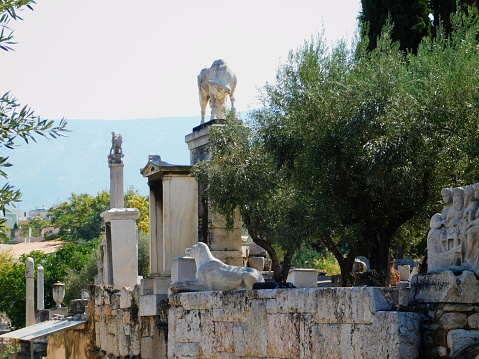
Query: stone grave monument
x=224 y=245
x=173 y=222
x=118 y=261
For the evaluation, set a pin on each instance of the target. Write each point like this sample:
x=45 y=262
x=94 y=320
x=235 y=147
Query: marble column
x=30 y=294
x=40 y=288
x=115 y=162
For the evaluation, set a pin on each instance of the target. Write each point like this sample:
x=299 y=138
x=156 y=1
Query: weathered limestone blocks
x=117 y=327
x=445 y=287
x=460 y=339
x=291 y=323
x=449 y=311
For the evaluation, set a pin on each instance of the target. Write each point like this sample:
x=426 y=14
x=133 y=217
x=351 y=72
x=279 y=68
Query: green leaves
x=79 y=219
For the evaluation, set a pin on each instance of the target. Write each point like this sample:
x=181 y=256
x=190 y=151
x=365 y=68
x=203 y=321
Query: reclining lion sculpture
x=213 y=274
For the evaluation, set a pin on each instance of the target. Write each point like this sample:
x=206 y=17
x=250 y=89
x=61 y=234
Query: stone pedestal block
x=156 y=285
x=183 y=269
x=57 y=311
x=303 y=278
x=121 y=255
x=256 y=263
x=404 y=272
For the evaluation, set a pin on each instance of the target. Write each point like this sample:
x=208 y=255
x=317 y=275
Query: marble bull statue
x=213 y=274
x=214 y=84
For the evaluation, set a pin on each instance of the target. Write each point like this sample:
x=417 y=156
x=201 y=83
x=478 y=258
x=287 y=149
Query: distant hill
x=48 y=171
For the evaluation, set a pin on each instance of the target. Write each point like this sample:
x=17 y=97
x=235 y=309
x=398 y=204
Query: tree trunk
x=345 y=264
x=379 y=257
x=275 y=265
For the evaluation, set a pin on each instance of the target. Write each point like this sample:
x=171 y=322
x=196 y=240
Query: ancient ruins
x=426 y=315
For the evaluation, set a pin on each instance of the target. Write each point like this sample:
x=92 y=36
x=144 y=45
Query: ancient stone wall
x=449 y=307
x=438 y=316
x=118 y=329
x=292 y=323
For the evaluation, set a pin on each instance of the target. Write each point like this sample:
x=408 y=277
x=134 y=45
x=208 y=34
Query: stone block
x=459 y=339
x=232 y=258
x=303 y=278
x=52 y=312
x=186 y=350
x=147 y=286
x=256 y=263
x=149 y=304
x=226 y=344
x=217 y=220
x=126 y=317
x=356 y=305
x=135 y=340
x=235 y=307
x=445 y=287
x=256 y=250
x=284 y=335
x=125 y=297
x=78 y=306
x=161 y=285
x=404 y=296
x=251 y=337
x=404 y=272
x=223 y=240
x=183 y=269
x=392 y=335
x=458 y=308
x=453 y=320
x=197 y=300
x=473 y=321
x=147 y=348
x=188 y=329
x=112 y=345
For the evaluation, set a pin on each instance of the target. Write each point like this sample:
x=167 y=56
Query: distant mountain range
x=48 y=171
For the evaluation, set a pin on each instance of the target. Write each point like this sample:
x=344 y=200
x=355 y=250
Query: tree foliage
x=241 y=174
x=79 y=219
x=443 y=9
x=354 y=144
x=410 y=18
x=69 y=258
x=133 y=199
x=36 y=224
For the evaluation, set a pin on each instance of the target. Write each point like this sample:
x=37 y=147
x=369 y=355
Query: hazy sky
x=92 y=59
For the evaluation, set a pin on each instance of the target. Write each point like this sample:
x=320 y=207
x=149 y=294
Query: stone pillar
x=224 y=245
x=40 y=288
x=30 y=292
x=116 y=185
x=115 y=162
x=121 y=247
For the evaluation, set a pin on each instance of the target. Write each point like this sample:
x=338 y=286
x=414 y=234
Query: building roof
x=41 y=329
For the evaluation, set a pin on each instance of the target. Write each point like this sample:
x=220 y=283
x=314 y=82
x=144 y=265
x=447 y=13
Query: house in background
x=39 y=212
x=22 y=214
x=11 y=223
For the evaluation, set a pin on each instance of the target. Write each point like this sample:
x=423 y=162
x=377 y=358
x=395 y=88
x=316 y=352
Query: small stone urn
x=58 y=293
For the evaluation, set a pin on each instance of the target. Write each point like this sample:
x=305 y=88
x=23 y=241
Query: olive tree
x=351 y=146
